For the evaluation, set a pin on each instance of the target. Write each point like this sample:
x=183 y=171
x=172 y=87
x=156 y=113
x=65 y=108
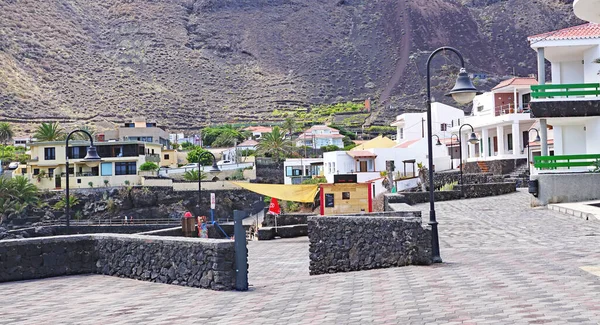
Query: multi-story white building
x=319 y=136
x=412 y=126
x=501 y=119
x=297 y=170
x=570 y=103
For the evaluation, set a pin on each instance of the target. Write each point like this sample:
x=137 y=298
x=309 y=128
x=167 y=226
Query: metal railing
x=565 y=90
x=566 y=161
x=117 y=222
x=510 y=109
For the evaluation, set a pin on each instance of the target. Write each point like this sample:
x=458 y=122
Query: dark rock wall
x=469 y=191
x=442 y=178
x=203 y=263
x=354 y=243
x=496 y=167
x=137 y=202
x=269 y=172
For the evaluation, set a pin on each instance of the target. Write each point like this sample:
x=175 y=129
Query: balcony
x=511 y=109
x=153 y=157
x=565 y=100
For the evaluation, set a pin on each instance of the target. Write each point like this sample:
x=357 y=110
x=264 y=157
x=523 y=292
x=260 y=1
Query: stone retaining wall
x=469 y=191
x=361 y=242
x=442 y=178
x=203 y=263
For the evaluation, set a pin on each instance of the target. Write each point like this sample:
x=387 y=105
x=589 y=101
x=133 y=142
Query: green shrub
x=60 y=205
x=148 y=166
x=448 y=186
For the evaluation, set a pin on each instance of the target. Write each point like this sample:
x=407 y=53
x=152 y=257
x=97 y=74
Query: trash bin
x=533 y=187
x=188 y=226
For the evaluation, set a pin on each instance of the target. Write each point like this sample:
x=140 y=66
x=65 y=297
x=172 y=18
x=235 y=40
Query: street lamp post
x=472 y=140
x=214 y=168
x=463 y=92
x=537 y=139
x=452 y=149
x=91 y=156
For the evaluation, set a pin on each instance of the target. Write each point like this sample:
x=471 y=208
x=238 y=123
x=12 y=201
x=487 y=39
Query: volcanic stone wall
x=203 y=263
x=362 y=242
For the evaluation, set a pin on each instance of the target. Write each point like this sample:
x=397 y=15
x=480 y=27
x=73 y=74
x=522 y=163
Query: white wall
x=574 y=139
x=591 y=68
x=592 y=135
x=487 y=101
x=571 y=72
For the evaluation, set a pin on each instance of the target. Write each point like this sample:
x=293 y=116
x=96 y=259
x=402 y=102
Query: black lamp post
x=452 y=149
x=91 y=156
x=463 y=92
x=472 y=140
x=438 y=140
x=214 y=168
x=537 y=139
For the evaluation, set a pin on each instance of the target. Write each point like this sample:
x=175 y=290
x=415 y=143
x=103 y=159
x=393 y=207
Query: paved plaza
x=504 y=263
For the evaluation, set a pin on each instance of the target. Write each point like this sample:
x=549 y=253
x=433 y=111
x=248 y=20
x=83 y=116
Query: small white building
x=258 y=131
x=22 y=141
x=296 y=170
x=319 y=136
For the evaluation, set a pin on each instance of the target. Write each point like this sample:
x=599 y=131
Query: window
x=36 y=171
x=480 y=108
x=443 y=127
x=50 y=172
x=293 y=171
x=345 y=195
x=50 y=153
x=509 y=141
x=23 y=171
x=106 y=169
x=401 y=133
x=166 y=157
x=125 y=168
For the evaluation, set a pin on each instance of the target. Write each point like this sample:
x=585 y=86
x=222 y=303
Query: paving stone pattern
x=504 y=263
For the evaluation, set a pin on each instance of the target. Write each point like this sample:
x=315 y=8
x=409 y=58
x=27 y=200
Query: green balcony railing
x=565 y=90
x=566 y=161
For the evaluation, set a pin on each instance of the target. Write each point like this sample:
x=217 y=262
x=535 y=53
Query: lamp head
x=473 y=138
x=214 y=168
x=438 y=142
x=91 y=158
x=463 y=91
x=537 y=138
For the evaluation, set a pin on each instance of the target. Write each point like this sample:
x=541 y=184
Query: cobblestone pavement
x=504 y=263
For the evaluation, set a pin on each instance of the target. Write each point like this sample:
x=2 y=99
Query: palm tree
x=192 y=175
x=49 y=132
x=6 y=132
x=289 y=124
x=274 y=144
x=82 y=136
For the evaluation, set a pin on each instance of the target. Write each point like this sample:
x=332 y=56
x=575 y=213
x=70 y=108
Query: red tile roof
x=518 y=81
x=589 y=30
x=248 y=143
x=261 y=129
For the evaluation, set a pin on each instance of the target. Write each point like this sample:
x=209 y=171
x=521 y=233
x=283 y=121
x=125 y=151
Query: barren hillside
x=190 y=63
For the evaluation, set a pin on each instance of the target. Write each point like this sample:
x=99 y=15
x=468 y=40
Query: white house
x=297 y=170
x=501 y=119
x=411 y=126
x=319 y=136
x=258 y=131
x=570 y=103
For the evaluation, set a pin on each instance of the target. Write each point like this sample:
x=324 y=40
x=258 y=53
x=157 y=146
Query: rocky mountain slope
x=189 y=63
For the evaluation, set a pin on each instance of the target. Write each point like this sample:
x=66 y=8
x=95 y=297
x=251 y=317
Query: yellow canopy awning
x=295 y=193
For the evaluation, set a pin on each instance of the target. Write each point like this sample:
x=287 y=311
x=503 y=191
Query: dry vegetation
x=188 y=63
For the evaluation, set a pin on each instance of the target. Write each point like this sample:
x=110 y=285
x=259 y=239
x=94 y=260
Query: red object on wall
x=322 y=196
x=187 y=215
x=370 y=197
x=274 y=207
